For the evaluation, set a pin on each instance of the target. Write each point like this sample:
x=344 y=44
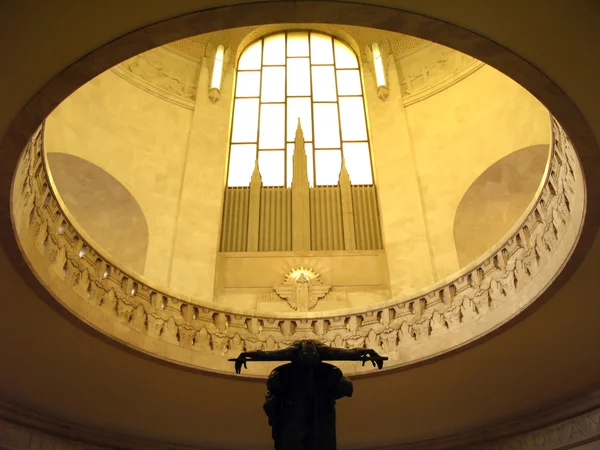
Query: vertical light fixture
x=217 y=75
x=382 y=88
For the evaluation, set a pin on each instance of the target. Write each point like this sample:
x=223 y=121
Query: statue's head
x=309 y=354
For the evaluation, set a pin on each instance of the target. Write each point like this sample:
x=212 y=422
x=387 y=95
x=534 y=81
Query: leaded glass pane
x=348 y=82
x=352 y=116
x=297 y=43
x=273 y=84
x=245 y=120
x=327 y=132
x=241 y=164
x=344 y=56
x=328 y=163
x=274 y=52
x=320 y=49
x=271 y=167
x=248 y=84
x=298 y=76
x=358 y=162
x=272 y=126
x=251 y=58
x=323 y=83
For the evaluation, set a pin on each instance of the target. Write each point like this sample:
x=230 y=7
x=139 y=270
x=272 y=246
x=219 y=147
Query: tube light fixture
x=217 y=75
x=382 y=89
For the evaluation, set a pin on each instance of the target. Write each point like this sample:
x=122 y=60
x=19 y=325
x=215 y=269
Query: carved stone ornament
x=302 y=288
x=450 y=314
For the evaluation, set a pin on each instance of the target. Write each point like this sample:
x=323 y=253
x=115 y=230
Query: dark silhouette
x=301 y=395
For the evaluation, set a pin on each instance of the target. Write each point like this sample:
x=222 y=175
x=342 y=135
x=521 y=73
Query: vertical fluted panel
x=366 y=218
x=275 y=220
x=326 y=225
x=234 y=233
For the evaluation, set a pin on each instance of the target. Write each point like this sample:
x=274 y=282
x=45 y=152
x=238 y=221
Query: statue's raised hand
x=375 y=358
x=240 y=361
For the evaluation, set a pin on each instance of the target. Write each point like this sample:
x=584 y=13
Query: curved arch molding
x=103 y=207
x=129 y=309
x=496 y=200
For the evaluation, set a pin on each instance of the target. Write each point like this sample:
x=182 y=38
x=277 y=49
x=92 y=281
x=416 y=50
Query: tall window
x=304 y=77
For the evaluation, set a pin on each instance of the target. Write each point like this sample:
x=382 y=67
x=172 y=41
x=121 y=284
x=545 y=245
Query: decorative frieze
x=486 y=294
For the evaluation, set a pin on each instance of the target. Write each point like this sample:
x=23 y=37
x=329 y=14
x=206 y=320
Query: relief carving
x=443 y=67
x=393 y=328
x=163 y=73
x=302 y=288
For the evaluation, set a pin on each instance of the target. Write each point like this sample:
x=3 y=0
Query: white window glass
x=320 y=49
x=274 y=52
x=323 y=83
x=251 y=58
x=272 y=126
x=358 y=162
x=273 y=84
x=248 y=84
x=241 y=164
x=328 y=163
x=309 y=164
x=270 y=164
x=298 y=76
x=352 y=115
x=245 y=120
x=348 y=82
x=327 y=132
x=299 y=108
x=297 y=43
x=344 y=56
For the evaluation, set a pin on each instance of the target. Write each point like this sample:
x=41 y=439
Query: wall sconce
x=214 y=91
x=382 y=88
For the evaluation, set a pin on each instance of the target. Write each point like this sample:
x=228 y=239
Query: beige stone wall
x=103 y=207
x=496 y=200
x=158 y=134
x=137 y=137
x=456 y=135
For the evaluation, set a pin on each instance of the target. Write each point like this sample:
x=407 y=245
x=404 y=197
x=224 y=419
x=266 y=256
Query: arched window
x=306 y=77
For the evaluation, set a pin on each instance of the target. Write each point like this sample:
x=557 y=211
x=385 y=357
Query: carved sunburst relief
x=302 y=288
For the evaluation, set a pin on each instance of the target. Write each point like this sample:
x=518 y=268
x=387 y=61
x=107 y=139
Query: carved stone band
x=129 y=309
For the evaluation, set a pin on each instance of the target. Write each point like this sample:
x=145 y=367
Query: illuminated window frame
x=354 y=150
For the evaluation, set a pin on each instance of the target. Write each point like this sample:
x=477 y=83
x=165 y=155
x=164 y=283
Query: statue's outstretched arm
x=351 y=354
x=285 y=354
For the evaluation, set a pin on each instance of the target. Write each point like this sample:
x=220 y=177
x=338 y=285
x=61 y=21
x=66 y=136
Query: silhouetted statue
x=301 y=395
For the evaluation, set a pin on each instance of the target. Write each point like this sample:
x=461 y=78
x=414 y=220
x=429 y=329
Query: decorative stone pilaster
x=300 y=196
x=254 y=210
x=347 y=209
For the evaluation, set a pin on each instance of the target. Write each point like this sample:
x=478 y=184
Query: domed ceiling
x=153 y=232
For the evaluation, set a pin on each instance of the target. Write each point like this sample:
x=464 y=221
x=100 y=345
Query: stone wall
x=138 y=138
x=457 y=134
x=150 y=124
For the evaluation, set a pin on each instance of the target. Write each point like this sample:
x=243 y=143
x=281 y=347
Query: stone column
x=197 y=233
x=405 y=235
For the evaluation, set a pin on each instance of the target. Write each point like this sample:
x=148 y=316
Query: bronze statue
x=301 y=395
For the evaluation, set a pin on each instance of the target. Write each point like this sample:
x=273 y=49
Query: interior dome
x=445 y=226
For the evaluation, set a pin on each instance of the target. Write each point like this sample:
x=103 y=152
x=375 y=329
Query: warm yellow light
x=378 y=61
x=217 y=68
